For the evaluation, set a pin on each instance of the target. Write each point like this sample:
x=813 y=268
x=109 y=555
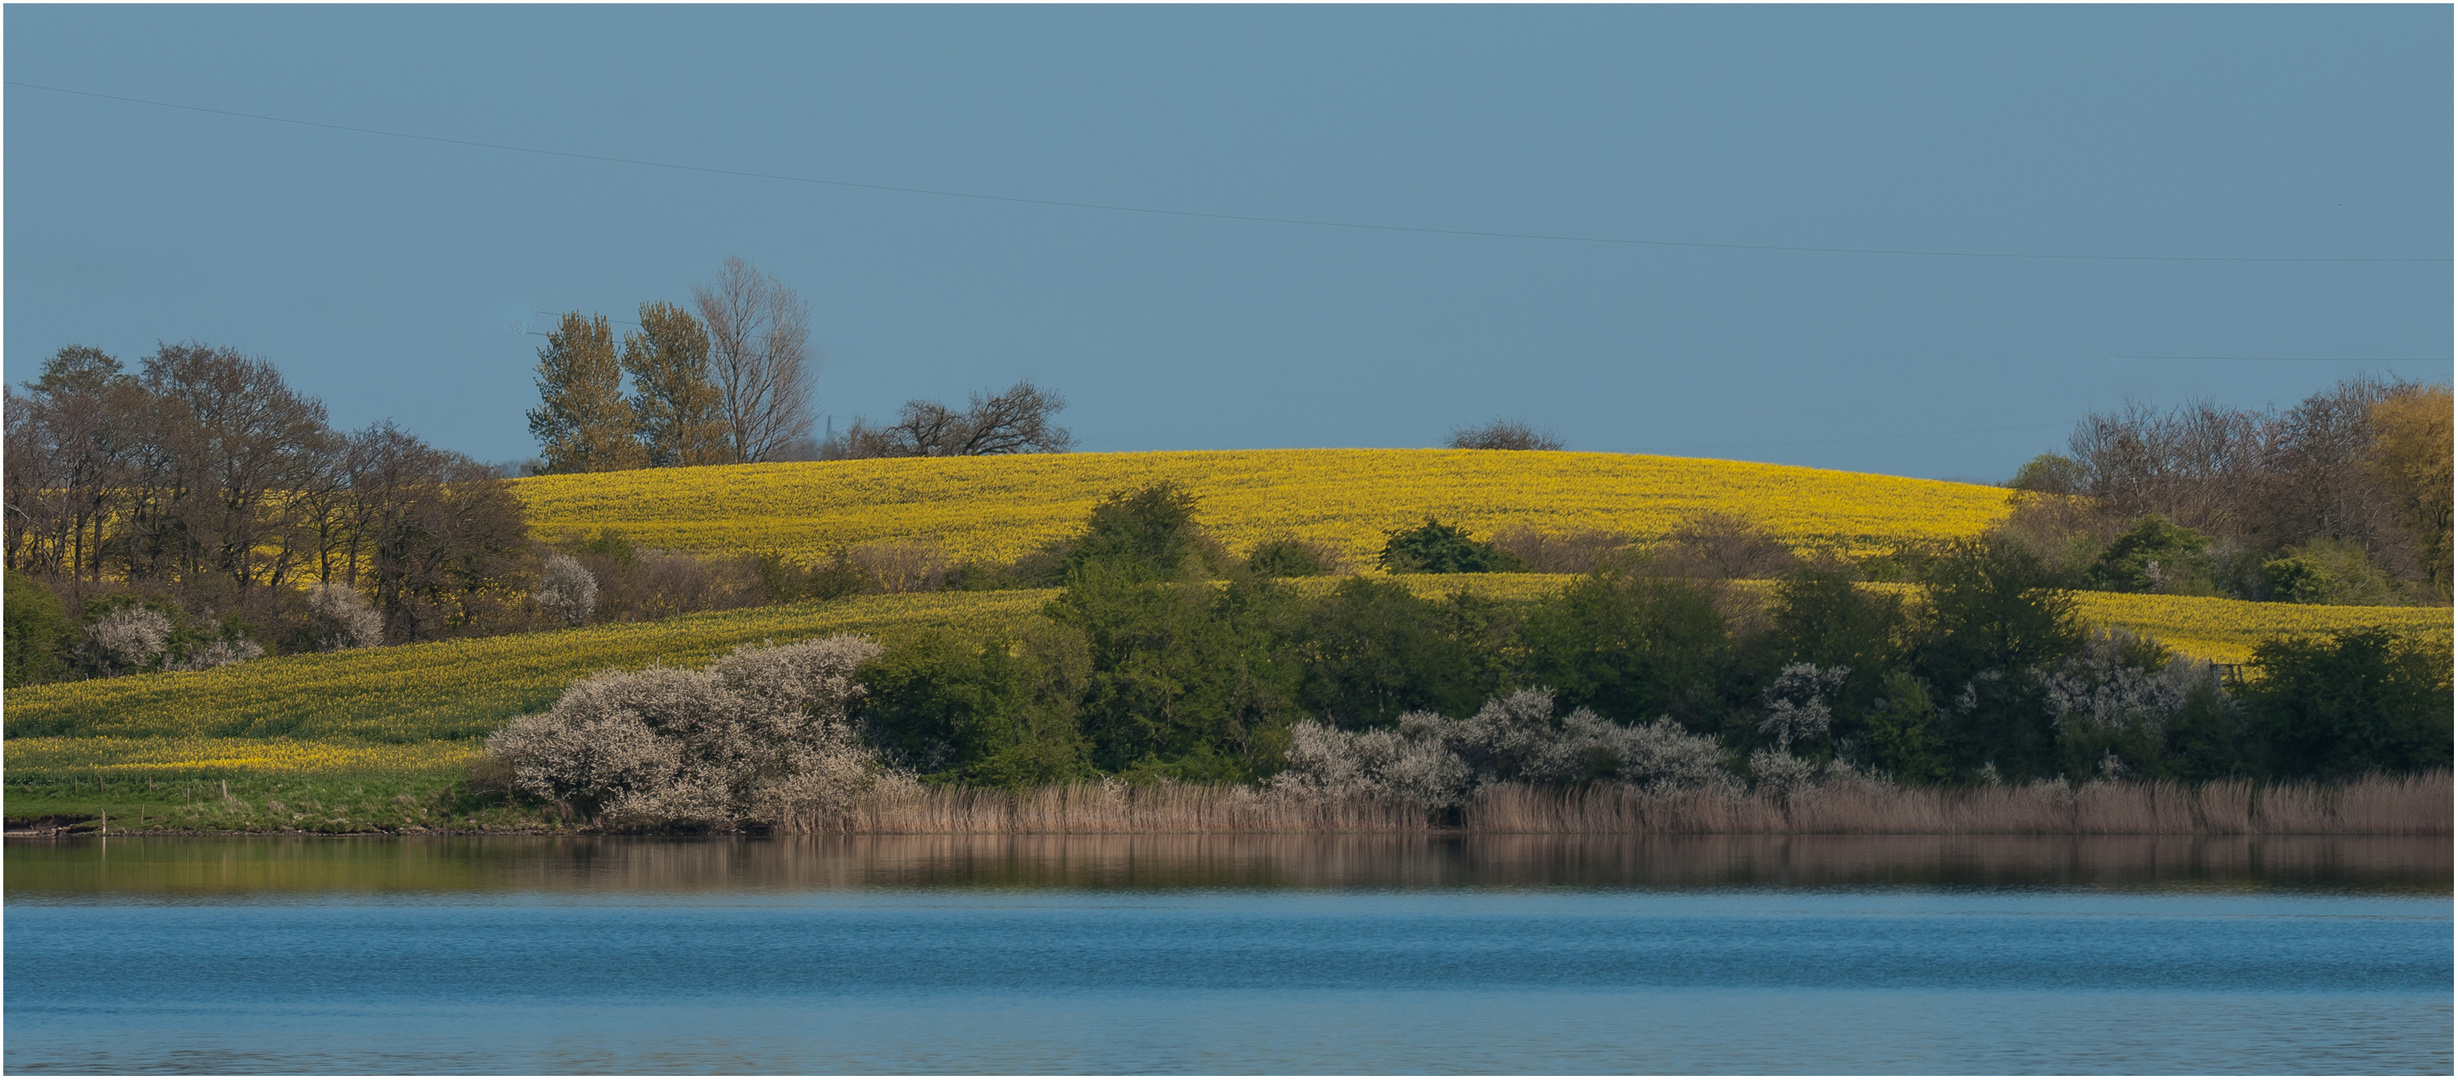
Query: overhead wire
x=1202 y=214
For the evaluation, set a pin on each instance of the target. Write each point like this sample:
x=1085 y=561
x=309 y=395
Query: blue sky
x=387 y=275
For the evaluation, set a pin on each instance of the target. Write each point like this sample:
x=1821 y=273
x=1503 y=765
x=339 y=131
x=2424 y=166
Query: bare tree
x=1503 y=435
x=758 y=337
x=1017 y=420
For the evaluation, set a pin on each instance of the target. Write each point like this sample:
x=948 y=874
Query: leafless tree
x=758 y=338
x=230 y=440
x=1017 y=420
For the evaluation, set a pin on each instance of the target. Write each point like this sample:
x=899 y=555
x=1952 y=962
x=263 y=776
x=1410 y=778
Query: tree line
x=204 y=486
x=729 y=382
x=2344 y=498
x=1163 y=657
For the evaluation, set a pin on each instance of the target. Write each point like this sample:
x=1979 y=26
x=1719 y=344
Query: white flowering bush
x=1437 y=762
x=129 y=638
x=220 y=652
x=566 y=590
x=759 y=737
x=339 y=618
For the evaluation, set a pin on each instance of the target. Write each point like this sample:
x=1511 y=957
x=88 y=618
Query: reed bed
x=1112 y=807
x=2378 y=805
x=2398 y=806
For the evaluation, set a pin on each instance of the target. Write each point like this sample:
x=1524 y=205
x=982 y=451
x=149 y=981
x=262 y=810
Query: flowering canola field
x=1001 y=507
x=410 y=708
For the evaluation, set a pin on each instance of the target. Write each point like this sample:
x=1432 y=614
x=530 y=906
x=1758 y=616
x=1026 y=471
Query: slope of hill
x=1001 y=507
x=420 y=708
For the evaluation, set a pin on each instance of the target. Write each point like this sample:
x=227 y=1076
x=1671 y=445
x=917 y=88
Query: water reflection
x=229 y=867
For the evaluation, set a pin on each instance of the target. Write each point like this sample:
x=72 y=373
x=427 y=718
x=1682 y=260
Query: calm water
x=1212 y=954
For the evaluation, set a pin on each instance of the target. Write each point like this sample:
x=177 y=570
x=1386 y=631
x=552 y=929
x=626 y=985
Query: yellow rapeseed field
x=2225 y=631
x=205 y=754
x=1001 y=507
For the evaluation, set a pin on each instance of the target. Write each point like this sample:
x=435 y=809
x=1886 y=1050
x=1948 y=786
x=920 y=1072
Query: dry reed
x=2416 y=805
x=902 y=806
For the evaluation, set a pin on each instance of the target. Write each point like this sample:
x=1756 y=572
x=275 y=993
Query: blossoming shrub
x=1435 y=762
x=759 y=737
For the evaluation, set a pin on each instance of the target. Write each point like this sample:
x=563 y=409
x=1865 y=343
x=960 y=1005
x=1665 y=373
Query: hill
x=420 y=708
x=997 y=508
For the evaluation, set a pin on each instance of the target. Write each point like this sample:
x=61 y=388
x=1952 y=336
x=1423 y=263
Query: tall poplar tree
x=582 y=421
x=680 y=413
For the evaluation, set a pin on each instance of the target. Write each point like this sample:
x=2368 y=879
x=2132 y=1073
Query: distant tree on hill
x=1017 y=420
x=1503 y=435
x=758 y=337
x=678 y=409
x=581 y=420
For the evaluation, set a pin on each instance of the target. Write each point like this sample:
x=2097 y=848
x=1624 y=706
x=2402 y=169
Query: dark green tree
x=1372 y=650
x=1436 y=548
x=1149 y=534
x=1990 y=615
x=1633 y=648
x=38 y=634
x=2154 y=556
x=2359 y=701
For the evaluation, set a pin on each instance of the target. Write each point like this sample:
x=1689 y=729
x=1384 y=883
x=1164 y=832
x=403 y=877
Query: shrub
x=2327 y=571
x=2116 y=702
x=902 y=566
x=1580 y=551
x=1723 y=546
x=566 y=590
x=127 y=638
x=37 y=633
x=1438 y=763
x=1149 y=534
x=2156 y=557
x=2051 y=474
x=761 y=736
x=1290 y=557
x=1503 y=435
x=339 y=618
x=1436 y=548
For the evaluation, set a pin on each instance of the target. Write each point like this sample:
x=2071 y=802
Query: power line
x=1884 y=438
x=2311 y=359
x=1156 y=211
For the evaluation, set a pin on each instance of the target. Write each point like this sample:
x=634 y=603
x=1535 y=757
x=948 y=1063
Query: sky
x=1375 y=224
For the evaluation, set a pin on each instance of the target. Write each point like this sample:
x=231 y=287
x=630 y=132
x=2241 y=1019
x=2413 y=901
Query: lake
x=1227 y=954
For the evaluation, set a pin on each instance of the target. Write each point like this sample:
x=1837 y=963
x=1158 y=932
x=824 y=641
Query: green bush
x=1436 y=548
x=1144 y=535
x=2359 y=701
x=38 y=632
x=2327 y=571
x=1289 y=557
x=2154 y=556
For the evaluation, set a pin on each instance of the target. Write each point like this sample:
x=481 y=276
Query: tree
x=582 y=421
x=1145 y=535
x=758 y=333
x=1436 y=548
x=1014 y=421
x=1503 y=435
x=673 y=401
x=230 y=442
x=2412 y=456
x=2050 y=474
x=2359 y=701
